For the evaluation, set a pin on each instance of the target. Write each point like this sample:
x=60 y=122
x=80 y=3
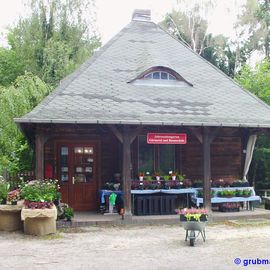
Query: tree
x=254 y=24
x=10 y=66
x=56 y=38
x=15 y=101
x=189 y=24
x=257 y=81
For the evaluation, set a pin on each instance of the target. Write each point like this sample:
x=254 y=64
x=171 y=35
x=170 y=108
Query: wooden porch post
x=39 y=154
x=206 y=169
x=126 y=172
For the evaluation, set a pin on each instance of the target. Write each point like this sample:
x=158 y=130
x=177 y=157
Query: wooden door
x=78 y=175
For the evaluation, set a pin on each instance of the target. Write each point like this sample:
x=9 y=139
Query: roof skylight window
x=159 y=75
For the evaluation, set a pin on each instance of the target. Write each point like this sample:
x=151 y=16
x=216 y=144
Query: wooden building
x=94 y=124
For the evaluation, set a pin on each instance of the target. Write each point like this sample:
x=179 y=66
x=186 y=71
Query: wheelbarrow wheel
x=192 y=238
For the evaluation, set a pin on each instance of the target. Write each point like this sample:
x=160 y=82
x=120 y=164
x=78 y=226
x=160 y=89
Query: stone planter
x=39 y=221
x=10 y=217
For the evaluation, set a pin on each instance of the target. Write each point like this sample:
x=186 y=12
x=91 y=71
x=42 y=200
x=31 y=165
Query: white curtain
x=249 y=153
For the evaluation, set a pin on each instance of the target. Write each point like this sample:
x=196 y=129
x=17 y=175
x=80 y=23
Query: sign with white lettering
x=166 y=138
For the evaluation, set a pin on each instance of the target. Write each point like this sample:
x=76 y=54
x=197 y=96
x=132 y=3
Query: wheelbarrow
x=193 y=230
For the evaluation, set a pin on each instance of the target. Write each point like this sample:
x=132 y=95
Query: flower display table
x=10 y=217
x=39 y=221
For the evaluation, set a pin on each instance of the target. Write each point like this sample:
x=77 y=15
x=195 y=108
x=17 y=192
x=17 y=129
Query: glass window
x=156 y=157
x=156 y=75
x=164 y=75
x=78 y=150
x=159 y=75
x=146 y=155
x=88 y=150
x=83 y=164
x=167 y=158
x=64 y=164
x=148 y=76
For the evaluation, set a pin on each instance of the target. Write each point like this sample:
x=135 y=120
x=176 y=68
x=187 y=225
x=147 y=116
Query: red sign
x=166 y=138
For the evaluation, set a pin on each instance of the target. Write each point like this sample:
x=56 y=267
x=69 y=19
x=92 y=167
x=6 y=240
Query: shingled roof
x=101 y=90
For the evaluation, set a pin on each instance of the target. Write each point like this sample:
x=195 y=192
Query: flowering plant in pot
x=40 y=194
x=193 y=214
x=141 y=175
x=13 y=196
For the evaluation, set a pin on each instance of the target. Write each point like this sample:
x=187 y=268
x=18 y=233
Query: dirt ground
x=137 y=247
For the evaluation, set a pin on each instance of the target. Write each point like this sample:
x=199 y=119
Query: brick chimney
x=141 y=15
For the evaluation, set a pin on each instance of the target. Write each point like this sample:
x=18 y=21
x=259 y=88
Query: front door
x=78 y=175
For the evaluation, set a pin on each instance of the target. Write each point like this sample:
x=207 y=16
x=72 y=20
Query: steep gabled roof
x=100 y=91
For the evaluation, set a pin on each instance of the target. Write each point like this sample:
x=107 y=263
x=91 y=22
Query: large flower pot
x=39 y=221
x=10 y=217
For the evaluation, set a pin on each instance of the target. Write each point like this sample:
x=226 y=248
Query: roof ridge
x=217 y=69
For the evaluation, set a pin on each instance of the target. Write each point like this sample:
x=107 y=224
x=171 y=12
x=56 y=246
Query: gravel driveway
x=136 y=247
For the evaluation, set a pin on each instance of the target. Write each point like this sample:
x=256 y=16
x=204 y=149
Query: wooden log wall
x=226 y=156
x=226 y=151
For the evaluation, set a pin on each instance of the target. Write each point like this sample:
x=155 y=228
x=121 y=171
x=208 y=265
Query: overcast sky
x=113 y=15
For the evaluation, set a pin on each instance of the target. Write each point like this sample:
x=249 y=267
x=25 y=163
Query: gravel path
x=144 y=247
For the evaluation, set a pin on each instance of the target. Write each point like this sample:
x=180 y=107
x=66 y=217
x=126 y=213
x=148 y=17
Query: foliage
x=254 y=25
x=15 y=101
x=257 y=81
x=226 y=193
x=189 y=24
x=56 y=38
x=10 y=66
x=40 y=191
x=4 y=188
x=193 y=213
x=68 y=213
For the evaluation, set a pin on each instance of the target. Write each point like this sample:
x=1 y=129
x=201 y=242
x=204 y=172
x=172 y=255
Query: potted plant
x=10 y=214
x=227 y=193
x=141 y=176
x=157 y=175
x=68 y=213
x=13 y=196
x=39 y=213
x=193 y=214
x=40 y=194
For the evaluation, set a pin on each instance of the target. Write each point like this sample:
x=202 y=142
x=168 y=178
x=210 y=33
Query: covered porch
x=86 y=157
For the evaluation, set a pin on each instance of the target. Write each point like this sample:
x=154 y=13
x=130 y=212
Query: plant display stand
x=39 y=221
x=10 y=217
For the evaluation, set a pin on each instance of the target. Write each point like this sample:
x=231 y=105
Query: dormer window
x=160 y=76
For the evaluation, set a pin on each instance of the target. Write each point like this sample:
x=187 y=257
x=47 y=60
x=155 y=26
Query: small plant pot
x=14 y=203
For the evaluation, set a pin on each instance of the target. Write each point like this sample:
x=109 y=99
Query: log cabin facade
x=142 y=81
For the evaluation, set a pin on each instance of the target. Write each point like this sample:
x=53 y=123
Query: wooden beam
x=116 y=132
x=39 y=154
x=126 y=171
x=198 y=133
x=134 y=133
x=206 y=169
x=213 y=133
